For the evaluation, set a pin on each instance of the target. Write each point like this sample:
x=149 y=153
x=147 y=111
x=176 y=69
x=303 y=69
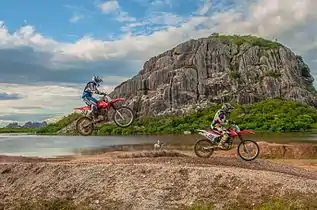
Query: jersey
x=220 y=118
x=91 y=87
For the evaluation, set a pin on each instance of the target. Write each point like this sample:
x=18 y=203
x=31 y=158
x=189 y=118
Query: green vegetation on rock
x=234 y=75
x=305 y=70
x=275 y=115
x=272 y=115
x=19 y=130
x=273 y=74
x=54 y=127
x=247 y=39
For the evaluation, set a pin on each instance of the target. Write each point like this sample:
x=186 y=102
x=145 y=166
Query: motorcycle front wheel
x=248 y=146
x=125 y=114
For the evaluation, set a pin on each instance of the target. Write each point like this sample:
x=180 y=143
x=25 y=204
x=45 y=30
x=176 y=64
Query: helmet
x=97 y=79
x=226 y=107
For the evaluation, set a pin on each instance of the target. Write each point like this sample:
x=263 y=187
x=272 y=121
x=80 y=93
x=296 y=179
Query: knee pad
x=94 y=107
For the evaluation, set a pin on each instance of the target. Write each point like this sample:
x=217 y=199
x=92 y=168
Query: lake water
x=48 y=146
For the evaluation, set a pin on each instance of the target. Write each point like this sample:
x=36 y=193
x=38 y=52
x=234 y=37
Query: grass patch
x=201 y=206
x=19 y=130
x=287 y=204
x=249 y=39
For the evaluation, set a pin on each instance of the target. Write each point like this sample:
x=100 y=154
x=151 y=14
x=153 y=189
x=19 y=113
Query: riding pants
x=90 y=101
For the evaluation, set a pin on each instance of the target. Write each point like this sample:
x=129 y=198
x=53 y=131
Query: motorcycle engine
x=103 y=113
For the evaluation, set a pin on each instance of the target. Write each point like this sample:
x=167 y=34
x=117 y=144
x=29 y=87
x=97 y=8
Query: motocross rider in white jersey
x=219 y=120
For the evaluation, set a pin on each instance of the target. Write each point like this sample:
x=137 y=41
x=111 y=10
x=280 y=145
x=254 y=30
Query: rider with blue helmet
x=89 y=90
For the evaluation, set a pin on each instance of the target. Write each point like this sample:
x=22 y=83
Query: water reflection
x=48 y=146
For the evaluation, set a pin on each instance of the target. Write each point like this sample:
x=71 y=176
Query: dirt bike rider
x=220 y=119
x=90 y=88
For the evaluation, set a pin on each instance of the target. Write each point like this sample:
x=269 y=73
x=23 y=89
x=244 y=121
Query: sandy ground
x=166 y=179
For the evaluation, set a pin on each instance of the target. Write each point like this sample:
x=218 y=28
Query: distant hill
x=27 y=125
x=13 y=125
x=34 y=124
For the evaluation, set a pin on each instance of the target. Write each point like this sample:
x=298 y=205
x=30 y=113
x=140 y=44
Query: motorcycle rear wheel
x=209 y=148
x=87 y=129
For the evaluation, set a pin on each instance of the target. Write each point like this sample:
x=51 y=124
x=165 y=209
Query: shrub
x=248 y=39
x=275 y=115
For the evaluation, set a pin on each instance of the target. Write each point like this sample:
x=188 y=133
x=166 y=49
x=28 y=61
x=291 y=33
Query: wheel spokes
x=120 y=114
x=85 y=126
x=248 y=150
x=204 y=147
x=127 y=118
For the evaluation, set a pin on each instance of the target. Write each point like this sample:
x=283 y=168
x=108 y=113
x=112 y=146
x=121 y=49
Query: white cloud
x=160 y=3
x=205 y=7
x=265 y=17
x=124 y=17
x=26 y=36
x=268 y=18
x=163 y=20
x=109 y=7
x=75 y=18
x=157 y=4
x=113 y=7
x=46 y=100
x=49 y=97
x=276 y=18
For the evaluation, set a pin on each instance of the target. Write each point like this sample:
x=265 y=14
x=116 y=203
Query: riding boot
x=222 y=141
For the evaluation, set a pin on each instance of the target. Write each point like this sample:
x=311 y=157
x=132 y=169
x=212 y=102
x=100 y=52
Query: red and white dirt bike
x=212 y=138
x=85 y=124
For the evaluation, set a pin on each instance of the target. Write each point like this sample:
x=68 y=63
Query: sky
x=50 y=49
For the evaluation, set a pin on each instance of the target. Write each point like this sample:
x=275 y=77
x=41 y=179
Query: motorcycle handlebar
x=105 y=95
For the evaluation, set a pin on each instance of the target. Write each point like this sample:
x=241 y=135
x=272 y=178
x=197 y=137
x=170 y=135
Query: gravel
x=151 y=180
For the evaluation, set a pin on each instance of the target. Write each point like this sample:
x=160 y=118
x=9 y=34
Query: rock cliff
x=243 y=69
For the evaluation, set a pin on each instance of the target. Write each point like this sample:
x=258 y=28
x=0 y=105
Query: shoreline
x=267 y=151
x=185 y=132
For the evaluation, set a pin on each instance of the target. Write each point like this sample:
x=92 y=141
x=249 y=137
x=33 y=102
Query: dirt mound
x=163 y=179
x=144 y=186
x=288 y=151
x=152 y=154
x=23 y=159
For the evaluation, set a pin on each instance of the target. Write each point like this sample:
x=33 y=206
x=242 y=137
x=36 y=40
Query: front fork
x=242 y=141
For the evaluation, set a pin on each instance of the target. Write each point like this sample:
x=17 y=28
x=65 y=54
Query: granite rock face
x=205 y=71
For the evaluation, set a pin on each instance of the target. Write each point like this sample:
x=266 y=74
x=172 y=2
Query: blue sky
x=49 y=49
